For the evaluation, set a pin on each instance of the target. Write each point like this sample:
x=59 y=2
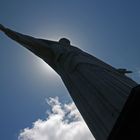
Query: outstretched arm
x=1 y=27
x=21 y=38
x=37 y=46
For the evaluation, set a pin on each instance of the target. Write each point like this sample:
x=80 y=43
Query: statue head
x=64 y=42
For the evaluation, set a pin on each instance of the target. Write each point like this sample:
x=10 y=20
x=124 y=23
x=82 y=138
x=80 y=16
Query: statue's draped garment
x=98 y=89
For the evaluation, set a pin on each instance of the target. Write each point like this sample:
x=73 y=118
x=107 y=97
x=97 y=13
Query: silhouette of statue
x=99 y=90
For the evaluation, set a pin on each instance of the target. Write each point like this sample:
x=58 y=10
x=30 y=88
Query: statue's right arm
x=20 y=38
x=35 y=45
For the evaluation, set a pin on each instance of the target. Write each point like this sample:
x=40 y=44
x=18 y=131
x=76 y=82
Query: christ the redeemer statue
x=99 y=90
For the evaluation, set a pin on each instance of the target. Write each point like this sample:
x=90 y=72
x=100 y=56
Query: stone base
x=127 y=126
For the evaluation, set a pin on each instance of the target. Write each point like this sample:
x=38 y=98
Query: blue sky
x=109 y=30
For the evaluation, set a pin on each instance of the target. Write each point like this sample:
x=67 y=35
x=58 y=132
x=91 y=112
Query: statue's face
x=64 y=42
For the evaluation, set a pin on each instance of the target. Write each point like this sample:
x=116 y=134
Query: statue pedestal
x=128 y=124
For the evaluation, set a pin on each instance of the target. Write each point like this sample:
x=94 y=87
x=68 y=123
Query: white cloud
x=64 y=122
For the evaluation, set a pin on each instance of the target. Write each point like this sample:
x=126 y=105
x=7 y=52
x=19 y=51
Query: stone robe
x=98 y=89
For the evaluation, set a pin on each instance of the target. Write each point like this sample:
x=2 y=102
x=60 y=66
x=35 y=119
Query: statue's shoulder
x=74 y=49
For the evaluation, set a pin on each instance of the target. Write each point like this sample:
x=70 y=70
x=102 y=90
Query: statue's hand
x=2 y=28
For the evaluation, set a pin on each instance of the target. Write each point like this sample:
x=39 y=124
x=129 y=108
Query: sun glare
x=43 y=67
